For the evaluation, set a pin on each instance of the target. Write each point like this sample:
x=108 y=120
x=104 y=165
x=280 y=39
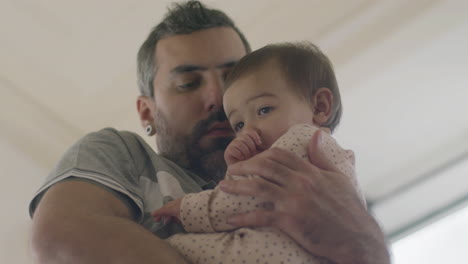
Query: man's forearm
x=99 y=239
x=365 y=247
x=79 y=222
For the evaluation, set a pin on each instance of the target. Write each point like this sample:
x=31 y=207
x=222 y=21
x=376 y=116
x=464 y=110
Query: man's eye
x=238 y=126
x=264 y=110
x=189 y=85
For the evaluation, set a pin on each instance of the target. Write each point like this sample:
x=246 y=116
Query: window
x=444 y=241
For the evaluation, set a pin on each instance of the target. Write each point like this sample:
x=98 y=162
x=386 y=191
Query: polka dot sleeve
x=208 y=211
x=194 y=212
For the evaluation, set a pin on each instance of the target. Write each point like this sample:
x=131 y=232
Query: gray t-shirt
x=123 y=163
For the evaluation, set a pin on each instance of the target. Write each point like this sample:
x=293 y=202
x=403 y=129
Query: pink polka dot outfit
x=212 y=240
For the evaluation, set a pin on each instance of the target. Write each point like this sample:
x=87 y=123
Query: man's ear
x=145 y=108
x=322 y=102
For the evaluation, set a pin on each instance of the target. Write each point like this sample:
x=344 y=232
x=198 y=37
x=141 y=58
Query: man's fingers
x=253 y=219
x=263 y=168
x=275 y=165
x=253 y=187
x=326 y=154
x=315 y=151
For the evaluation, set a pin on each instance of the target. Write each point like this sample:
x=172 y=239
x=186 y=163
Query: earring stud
x=149 y=130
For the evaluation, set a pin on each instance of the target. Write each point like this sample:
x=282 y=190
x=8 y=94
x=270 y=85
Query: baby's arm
x=207 y=211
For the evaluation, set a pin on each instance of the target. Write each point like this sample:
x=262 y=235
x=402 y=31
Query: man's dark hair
x=303 y=66
x=182 y=18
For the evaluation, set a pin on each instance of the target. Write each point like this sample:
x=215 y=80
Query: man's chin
x=212 y=142
x=214 y=165
x=211 y=158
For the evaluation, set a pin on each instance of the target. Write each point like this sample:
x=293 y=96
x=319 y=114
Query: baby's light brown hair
x=304 y=67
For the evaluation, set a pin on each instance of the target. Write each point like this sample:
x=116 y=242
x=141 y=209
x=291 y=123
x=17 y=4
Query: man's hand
x=243 y=147
x=318 y=208
x=169 y=211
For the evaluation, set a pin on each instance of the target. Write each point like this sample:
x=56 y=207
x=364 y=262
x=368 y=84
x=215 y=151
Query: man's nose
x=213 y=95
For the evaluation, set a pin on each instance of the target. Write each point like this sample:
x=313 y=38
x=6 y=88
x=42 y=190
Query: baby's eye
x=238 y=126
x=264 y=110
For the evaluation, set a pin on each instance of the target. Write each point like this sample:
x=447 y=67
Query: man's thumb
x=317 y=151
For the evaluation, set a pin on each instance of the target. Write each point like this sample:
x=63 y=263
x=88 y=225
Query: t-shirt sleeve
x=106 y=158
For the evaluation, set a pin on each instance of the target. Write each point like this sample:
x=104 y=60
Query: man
x=94 y=208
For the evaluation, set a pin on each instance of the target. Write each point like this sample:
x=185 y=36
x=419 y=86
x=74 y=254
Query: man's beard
x=207 y=162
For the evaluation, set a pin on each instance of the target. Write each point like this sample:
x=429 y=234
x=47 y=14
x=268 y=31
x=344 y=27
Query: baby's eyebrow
x=230 y=113
x=266 y=94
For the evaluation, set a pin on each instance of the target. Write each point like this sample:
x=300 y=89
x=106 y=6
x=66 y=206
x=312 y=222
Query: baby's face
x=265 y=102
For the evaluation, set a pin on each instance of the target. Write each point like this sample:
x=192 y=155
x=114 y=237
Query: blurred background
x=68 y=68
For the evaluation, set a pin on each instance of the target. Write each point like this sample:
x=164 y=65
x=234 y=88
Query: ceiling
x=68 y=68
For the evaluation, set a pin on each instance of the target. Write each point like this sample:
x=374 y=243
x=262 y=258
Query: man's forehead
x=205 y=48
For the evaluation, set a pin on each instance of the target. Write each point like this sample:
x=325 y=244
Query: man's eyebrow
x=184 y=68
x=228 y=64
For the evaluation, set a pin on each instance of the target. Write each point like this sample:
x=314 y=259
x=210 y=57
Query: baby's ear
x=322 y=102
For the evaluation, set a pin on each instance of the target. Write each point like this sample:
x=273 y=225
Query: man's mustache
x=202 y=126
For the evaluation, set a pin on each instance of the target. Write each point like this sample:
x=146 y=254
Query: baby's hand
x=242 y=147
x=169 y=211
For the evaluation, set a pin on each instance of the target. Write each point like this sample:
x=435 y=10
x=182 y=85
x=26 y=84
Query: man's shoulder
x=108 y=152
x=110 y=138
x=111 y=134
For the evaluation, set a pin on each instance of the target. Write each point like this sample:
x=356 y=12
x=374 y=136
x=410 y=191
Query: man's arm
x=318 y=208
x=79 y=222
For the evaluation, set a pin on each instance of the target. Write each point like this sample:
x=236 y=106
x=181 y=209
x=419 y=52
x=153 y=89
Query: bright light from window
x=445 y=241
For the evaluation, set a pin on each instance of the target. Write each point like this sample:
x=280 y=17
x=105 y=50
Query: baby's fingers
x=250 y=143
x=233 y=153
x=254 y=136
x=163 y=211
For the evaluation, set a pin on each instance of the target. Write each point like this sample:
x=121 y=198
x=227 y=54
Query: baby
x=281 y=96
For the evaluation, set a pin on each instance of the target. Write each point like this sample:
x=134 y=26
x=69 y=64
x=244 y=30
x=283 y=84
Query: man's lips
x=220 y=129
